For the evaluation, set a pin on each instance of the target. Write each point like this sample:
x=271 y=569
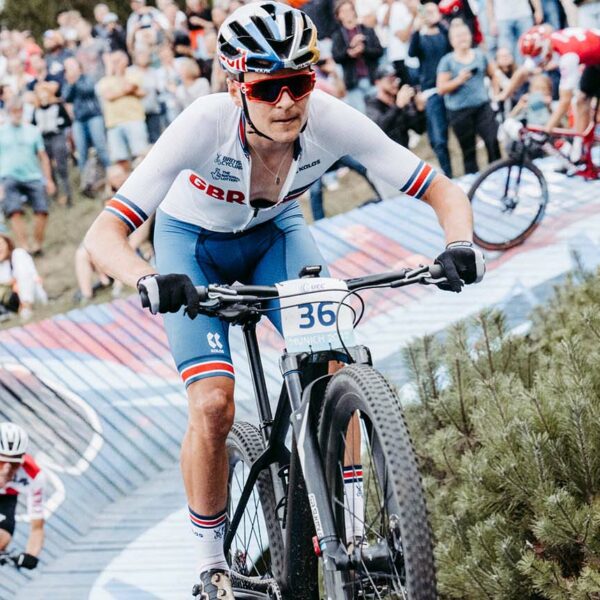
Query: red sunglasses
x=270 y=89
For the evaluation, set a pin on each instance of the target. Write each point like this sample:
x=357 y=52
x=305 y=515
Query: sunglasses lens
x=269 y=90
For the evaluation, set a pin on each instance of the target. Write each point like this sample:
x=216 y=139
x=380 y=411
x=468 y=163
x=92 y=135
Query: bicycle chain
x=268 y=586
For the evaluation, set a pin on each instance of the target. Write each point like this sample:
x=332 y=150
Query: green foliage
x=39 y=15
x=508 y=431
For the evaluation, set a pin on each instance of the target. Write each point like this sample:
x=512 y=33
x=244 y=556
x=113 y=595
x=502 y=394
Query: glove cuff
x=137 y=285
x=460 y=244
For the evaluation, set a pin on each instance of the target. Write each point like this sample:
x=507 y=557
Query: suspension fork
x=333 y=552
x=519 y=166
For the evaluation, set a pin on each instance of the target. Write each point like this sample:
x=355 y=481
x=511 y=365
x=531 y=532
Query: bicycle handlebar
x=251 y=294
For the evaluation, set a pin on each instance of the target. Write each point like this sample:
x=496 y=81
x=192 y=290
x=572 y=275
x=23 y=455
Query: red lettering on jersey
x=235 y=196
x=215 y=192
x=231 y=196
x=197 y=182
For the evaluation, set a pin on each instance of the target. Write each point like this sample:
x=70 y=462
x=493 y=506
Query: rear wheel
x=508 y=199
x=256 y=554
x=394 y=521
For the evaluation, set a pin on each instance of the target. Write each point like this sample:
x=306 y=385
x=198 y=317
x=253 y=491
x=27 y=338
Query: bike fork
x=335 y=557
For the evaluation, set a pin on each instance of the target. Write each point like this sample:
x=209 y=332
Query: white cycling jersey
x=199 y=170
x=29 y=479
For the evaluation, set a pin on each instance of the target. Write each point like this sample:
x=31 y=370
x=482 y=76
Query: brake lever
x=424 y=274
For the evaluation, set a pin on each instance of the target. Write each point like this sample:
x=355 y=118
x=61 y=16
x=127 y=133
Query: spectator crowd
x=91 y=97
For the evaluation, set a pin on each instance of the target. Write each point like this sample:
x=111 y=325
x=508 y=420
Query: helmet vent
x=289 y=24
x=262 y=27
x=306 y=35
x=227 y=49
x=269 y=8
x=245 y=38
x=283 y=47
x=304 y=58
x=259 y=64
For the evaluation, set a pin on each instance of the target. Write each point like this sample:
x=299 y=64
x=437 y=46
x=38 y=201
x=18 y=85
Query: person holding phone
x=358 y=50
x=460 y=80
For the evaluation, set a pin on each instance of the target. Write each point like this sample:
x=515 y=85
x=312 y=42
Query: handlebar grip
x=436 y=271
x=144 y=297
x=202 y=292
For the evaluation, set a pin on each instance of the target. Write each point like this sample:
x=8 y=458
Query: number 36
x=325 y=315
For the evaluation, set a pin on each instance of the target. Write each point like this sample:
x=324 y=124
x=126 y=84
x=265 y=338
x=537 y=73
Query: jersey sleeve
x=355 y=134
x=185 y=144
x=569 y=71
x=35 y=497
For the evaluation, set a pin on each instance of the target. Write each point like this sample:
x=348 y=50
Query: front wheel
x=364 y=439
x=508 y=199
x=256 y=554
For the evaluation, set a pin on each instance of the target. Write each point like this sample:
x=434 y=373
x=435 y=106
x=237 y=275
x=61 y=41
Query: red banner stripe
x=128 y=212
x=211 y=523
x=205 y=368
x=414 y=188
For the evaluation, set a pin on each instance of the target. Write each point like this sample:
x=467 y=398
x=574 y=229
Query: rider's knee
x=211 y=410
x=5 y=539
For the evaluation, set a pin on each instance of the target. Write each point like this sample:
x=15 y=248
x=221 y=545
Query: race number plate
x=309 y=322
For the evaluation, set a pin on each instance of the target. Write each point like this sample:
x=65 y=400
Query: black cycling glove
x=168 y=293
x=26 y=561
x=462 y=263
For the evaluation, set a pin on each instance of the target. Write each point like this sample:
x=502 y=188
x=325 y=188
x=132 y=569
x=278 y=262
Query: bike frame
x=294 y=410
x=590 y=171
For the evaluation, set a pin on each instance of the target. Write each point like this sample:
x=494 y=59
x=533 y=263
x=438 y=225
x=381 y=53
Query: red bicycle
x=509 y=198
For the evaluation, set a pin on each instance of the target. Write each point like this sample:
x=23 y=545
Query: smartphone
x=474 y=70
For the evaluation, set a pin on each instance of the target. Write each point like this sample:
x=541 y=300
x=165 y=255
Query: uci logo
x=214 y=341
x=218 y=193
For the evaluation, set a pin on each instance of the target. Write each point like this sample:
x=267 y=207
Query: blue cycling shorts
x=271 y=252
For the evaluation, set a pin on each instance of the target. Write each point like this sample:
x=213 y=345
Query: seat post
x=258 y=379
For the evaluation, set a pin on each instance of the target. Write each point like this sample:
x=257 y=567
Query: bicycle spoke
x=249 y=535
x=376 y=521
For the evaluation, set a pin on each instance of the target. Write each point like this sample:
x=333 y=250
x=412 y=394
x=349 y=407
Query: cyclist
x=573 y=49
x=19 y=473
x=225 y=177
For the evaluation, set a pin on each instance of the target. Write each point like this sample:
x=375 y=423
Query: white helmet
x=265 y=37
x=13 y=442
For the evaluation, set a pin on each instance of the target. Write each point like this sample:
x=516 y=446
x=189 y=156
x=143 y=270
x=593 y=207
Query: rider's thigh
x=200 y=347
x=211 y=406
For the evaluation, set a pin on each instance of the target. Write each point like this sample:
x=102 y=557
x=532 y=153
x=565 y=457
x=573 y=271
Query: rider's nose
x=285 y=101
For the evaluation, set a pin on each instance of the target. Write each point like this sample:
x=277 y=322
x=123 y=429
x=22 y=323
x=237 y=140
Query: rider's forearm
x=452 y=208
x=35 y=543
x=109 y=248
x=517 y=80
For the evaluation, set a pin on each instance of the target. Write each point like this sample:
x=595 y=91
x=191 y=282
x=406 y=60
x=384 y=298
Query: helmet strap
x=247 y=112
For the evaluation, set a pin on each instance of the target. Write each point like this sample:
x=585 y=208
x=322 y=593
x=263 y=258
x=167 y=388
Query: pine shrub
x=508 y=433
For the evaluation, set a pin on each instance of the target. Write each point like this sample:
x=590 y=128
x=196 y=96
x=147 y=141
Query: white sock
x=209 y=532
x=576 y=149
x=354 y=502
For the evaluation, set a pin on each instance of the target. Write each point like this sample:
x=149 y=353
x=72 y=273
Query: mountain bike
x=287 y=503
x=509 y=198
